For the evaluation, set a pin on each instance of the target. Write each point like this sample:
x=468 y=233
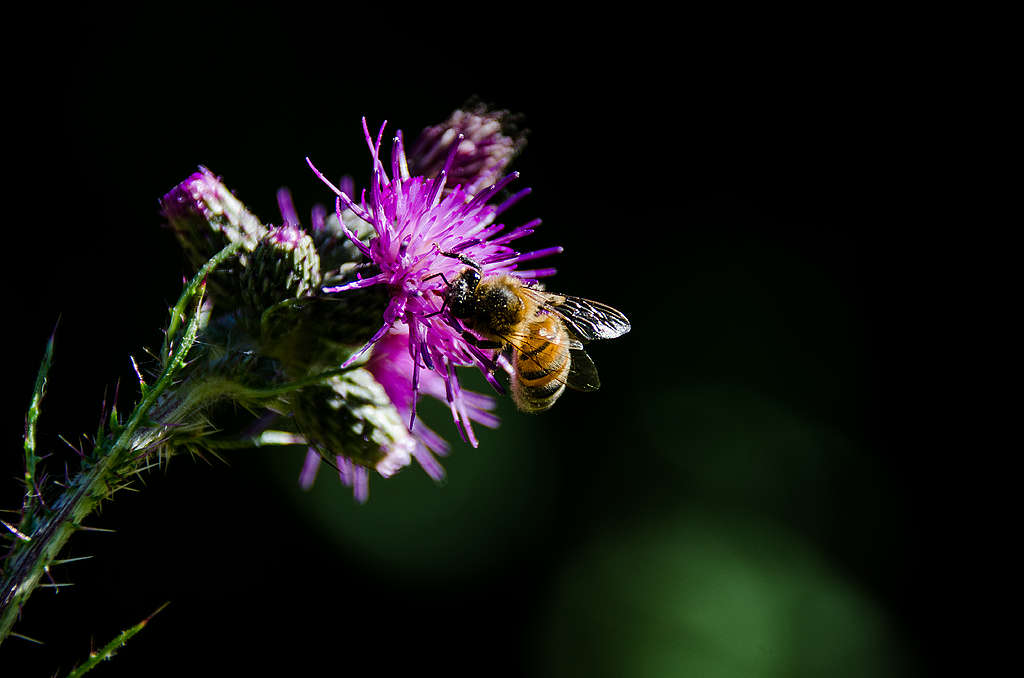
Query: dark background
x=745 y=496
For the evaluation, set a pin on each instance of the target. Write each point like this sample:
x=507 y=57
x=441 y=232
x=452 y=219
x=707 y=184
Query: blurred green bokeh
x=730 y=580
x=737 y=450
x=693 y=595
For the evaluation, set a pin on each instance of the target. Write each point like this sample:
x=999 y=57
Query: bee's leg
x=445 y=304
x=437 y=275
x=431 y=315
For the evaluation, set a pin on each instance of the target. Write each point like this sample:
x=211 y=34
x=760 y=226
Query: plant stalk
x=44 y=530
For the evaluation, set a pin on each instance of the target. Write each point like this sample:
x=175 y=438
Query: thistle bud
x=284 y=265
x=351 y=416
x=490 y=140
x=206 y=217
x=334 y=247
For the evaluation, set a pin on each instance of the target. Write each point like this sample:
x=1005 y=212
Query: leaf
x=108 y=650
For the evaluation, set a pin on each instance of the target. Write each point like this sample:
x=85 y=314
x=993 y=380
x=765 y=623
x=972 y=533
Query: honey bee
x=543 y=331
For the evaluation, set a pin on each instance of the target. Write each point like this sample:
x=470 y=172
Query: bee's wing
x=587 y=320
x=583 y=373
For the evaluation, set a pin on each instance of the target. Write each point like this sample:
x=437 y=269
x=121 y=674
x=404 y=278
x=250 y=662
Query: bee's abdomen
x=541 y=367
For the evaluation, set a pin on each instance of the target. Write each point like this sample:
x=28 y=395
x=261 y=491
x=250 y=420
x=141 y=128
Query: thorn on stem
x=15 y=531
x=95 y=529
x=24 y=637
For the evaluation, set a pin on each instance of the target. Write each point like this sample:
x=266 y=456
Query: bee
x=543 y=331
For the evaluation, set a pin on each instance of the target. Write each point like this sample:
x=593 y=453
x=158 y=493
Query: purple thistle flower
x=392 y=366
x=415 y=223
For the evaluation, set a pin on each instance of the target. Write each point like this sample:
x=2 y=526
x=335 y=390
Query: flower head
x=368 y=282
x=418 y=222
x=283 y=265
x=486 y=141
x=352 y=418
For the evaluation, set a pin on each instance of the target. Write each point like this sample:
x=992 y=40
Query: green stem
x=115 y=457
x=32 y=559
x=108 y=650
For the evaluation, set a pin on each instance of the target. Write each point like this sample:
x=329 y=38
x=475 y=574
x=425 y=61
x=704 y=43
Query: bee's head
x=459 y=296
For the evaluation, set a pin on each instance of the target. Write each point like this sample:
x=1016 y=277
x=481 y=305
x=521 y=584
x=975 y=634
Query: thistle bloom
x=416 y=222
x=377 y=269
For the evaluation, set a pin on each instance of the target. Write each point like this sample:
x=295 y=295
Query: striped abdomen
x=541 y=365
